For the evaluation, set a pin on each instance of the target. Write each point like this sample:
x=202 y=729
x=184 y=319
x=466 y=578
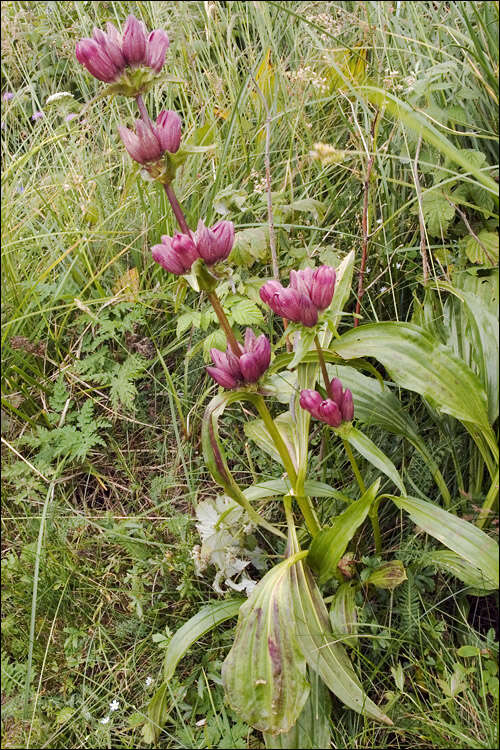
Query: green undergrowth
x=103 y=354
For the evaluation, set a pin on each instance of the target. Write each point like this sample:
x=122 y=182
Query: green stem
x=373 y=513
x=354 y=465
x=488 y=502
x=304 y=503
x=224 y=323
x=322 y=364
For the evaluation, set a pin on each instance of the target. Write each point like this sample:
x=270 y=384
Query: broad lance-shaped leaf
x=377 y=405
x=275 y=487
x=322 y=651
x=416 y=360
x=460 y=536
x=374 y=455
x=329 y=545
x=264 y=674
x=214 y=454
x=450 y=562
x=312 y=729
x=206 y=619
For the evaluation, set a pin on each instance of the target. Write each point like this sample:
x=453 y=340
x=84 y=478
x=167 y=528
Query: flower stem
x=373 y=513
x=176 y=208
x=357 y=473
x=224 y=323
x=304 y=503
x=322 y=364
x=142 y=109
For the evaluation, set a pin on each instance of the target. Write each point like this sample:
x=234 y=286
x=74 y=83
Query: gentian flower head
x=215 y=243
x=310 y=292
x=231 y=371
x=176 y=254
x=150 y=142
x=110 y=56
x=335 y=410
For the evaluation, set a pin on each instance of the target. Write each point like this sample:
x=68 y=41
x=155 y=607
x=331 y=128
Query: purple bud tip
x=347 y=406
x=322 y=287
x=336 y=391
x=156 y=49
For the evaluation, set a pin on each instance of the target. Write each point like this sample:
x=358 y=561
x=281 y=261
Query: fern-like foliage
x=122 y=377
x=13 y=676
x=408 y=604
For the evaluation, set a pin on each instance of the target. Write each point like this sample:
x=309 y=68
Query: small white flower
x=149 y=681
x=104 y=720
x=201 y=723
x=398 y=265
x=383 y=289
x=114 y=705
x=57 y=96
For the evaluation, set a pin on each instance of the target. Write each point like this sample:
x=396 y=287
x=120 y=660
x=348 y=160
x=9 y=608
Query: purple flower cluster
x=231 y=371
x=310 y=292
x=108 y=53
x=149 y=142
x=335 y=410
x=178 y=253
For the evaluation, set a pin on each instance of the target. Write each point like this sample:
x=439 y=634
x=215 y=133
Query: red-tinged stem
x=176 y=208
x=224 y=323
x=142 y=109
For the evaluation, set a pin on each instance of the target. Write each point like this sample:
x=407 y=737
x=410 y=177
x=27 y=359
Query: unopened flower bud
x=176 y=254
x=268 y=290
x=322 y=287
x=168 y=130
x=347 y=406
x=231 y=371
x=156 y=49
x=90 y=54
x=214 y=244
x=310 y=401
x=222 y=377
x=330 y=413
x=143 y=145
x=308 y=312
x=336 y=392
x=134 y=41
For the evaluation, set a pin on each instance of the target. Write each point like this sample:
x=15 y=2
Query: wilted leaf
x=389 y=575
x=344 y=615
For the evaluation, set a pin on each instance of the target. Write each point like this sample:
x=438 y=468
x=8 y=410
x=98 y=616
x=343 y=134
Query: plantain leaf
x=416 y=360
x=312 y=728
x=215 y=458
x=264 y=674
x=344 y=615
x=323 y=653
x=462 y=537
x=207 y=618
x=374 y=455
x=329 y=545
x=343 y=285
x=377 y=405
x=450 y=562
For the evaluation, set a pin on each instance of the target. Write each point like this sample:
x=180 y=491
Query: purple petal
x=222 y=377
x=156 y=49
x=134 y=41
x=323 y=286
x=168 y=130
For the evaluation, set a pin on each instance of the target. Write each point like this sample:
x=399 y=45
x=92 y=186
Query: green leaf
x=438 y=212
x=303 y=343
x=323 y=653
x=257 y=431
x=376 y=405
x=460 y=536
x=206 y=619
x=342 y=293
x=374 y=455
x=264 y=674
x=186 y=320
x=244 y=312
x=416 y=360
x=329 y=544
x=215 y=457
x=158 y=711
x=469 y=574
x=250 y=245
x=276 y=487
x=482 y=249
x=344 y=615
x=312 y=728
x=467 y=651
